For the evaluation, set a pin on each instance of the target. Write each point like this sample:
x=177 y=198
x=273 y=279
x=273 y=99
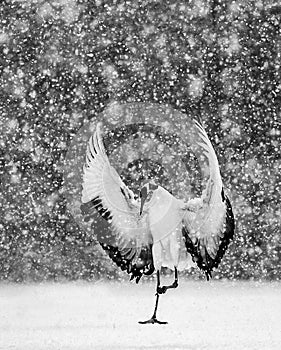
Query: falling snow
x=63 y=62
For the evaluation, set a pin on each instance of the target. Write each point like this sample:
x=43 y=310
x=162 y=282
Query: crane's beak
x=143 y=195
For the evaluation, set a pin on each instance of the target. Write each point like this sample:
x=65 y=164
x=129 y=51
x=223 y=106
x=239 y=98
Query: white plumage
x=157 y=229
x=164 y=215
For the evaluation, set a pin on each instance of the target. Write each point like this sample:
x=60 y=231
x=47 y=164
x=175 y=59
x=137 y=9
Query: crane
x=156 y=229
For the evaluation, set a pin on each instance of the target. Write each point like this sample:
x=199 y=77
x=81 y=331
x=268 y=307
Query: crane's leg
x=153 y=319
x=163 y=289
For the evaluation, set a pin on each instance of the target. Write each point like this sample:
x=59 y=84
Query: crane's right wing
x=208 y=221
x=129 y=242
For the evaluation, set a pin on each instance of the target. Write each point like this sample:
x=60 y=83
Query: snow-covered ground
x=201 y=315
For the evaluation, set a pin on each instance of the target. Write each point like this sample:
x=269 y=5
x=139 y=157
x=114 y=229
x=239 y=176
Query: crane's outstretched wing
x=127 y=242
x=208 y=221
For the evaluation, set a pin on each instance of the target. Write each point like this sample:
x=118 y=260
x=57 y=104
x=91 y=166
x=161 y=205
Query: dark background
x=63 y=62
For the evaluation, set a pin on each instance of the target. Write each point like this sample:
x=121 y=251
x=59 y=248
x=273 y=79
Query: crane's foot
x=152 y=321
x=163 y=289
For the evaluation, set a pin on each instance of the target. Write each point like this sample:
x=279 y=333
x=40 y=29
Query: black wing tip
x=124 y=260
x=208 y=264
x=228 y=235
x=193 y=250
x=135 y=271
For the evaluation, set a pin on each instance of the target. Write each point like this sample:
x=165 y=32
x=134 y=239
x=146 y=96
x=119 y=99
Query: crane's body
x=158 y=229
x=166 y=211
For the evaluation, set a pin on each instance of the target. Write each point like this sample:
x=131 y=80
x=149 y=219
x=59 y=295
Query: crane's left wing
x=127 y=239
x=208 y=221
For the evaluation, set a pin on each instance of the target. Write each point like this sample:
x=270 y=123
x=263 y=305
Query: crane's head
x=146 y=193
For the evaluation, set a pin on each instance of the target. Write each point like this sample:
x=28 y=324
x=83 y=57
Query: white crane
x=157 y=229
